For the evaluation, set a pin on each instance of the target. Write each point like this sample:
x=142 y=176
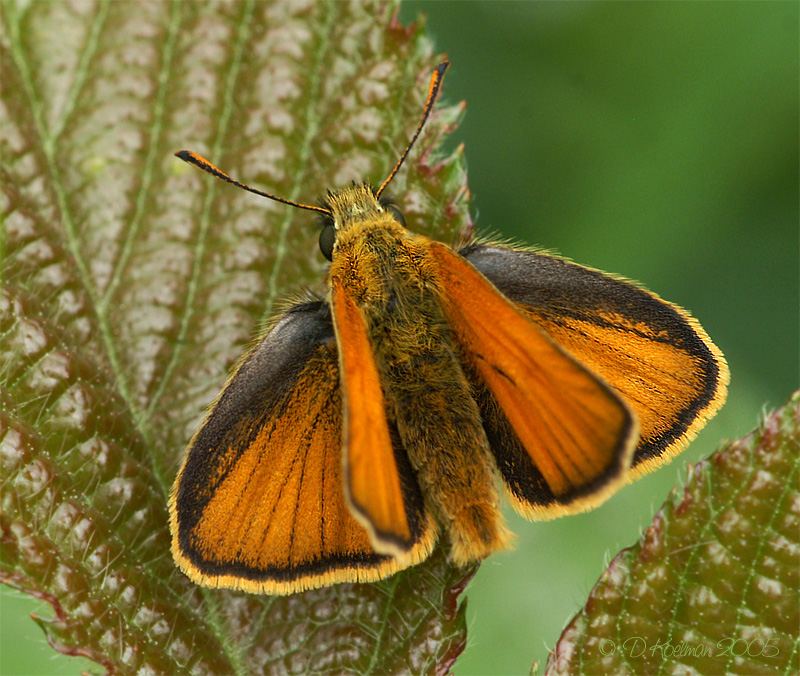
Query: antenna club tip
x=183 y=154
x=442 y=67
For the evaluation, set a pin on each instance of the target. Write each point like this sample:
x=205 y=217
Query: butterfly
x=364 y=426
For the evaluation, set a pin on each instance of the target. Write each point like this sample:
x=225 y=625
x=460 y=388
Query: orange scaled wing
x=373 y=481
x=576 y=431
x=259 y=503
x=652 y=352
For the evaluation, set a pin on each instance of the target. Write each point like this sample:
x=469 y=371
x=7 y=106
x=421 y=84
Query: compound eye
x=327 y=238
x=396 y=214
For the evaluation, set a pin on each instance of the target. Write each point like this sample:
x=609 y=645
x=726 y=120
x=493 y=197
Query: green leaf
x=713 y=586
x=132 y=283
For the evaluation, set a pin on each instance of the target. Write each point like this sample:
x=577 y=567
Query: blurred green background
x=655 y=140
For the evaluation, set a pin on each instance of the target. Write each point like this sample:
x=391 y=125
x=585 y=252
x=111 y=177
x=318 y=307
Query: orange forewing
x=372 y=479
x=628 y=359
x=577 y=431
x=652 y=352
x=259 y=504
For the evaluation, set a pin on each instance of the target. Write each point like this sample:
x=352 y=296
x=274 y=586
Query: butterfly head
x=353 y=207
x=343 y=209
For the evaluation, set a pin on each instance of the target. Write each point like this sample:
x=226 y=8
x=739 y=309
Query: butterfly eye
x=327 y=238
x=396 y=214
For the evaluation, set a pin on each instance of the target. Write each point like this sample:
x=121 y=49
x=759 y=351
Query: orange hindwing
x=576 y=431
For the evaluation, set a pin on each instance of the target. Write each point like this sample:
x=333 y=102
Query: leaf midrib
x=235 y=650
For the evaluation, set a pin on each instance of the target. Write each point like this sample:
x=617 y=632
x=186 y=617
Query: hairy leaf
x=132 y=283
x=713 y=587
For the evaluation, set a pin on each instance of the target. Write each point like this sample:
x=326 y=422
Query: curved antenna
x=436 y=82
x=205 y=165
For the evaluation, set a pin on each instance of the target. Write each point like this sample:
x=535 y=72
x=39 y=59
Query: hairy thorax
x=391 y=277
x=429 y=399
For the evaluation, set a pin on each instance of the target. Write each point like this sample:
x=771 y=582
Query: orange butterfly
x=362 y=426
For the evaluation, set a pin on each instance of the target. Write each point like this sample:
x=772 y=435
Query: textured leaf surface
x=132 y=283
x=713 y=587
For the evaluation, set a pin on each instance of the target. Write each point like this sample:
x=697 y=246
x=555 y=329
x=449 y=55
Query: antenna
x=436 y=82
x=205 y=165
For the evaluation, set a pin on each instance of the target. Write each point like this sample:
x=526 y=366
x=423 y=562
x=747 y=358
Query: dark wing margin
x=652 y=352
